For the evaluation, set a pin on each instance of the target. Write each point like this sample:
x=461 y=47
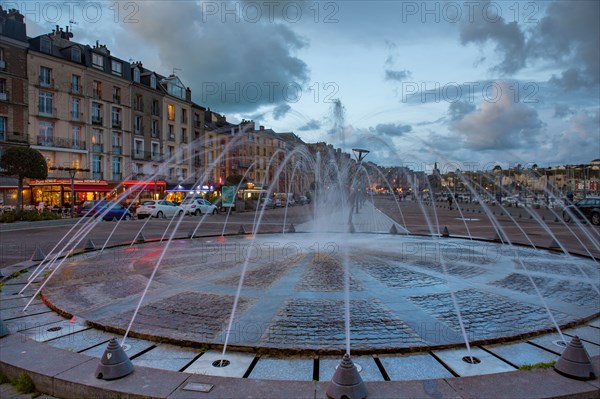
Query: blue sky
x=416 y=82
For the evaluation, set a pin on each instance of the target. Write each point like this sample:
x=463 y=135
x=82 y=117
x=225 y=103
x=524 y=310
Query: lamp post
x=72 y=172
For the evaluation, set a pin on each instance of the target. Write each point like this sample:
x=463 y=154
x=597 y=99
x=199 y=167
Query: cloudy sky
x=415 y=82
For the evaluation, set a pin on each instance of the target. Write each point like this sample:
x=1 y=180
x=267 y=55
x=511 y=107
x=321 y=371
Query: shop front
x=140 y=191
x=178 y=192
x=57 y=192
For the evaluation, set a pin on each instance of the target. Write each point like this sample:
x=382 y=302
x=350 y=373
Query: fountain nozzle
x=346 y=382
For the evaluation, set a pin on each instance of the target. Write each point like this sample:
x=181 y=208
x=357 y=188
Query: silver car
x=198 y=206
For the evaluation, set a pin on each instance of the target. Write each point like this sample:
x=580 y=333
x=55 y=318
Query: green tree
x=234 y=180
x=23 y=162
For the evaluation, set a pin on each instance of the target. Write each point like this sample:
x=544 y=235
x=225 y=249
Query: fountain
x=323 y=292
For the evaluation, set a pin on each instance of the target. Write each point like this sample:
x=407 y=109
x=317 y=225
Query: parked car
x=109 y=210
x=198 y=206
x=588 y=208
x=303 y=200
x=158 y=209
x=270 y=204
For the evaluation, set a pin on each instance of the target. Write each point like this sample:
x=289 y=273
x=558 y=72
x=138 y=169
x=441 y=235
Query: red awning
x=88 y=187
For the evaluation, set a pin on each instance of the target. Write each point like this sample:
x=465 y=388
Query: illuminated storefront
x=140 y=191
x=177 y=193
x=57 y=192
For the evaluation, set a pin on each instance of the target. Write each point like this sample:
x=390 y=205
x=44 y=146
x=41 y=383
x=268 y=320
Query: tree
x=234 y=180
x=23 y=162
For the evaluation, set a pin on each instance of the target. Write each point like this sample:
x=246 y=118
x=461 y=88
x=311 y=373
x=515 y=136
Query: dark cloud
x=562 y=110
x=397 y=76
x=510 y=40
x=232 y=66
x=499 y=125
x=458 y=109
x=569 y=34
x=391 y=129
x=312 y=124
x=281 y=111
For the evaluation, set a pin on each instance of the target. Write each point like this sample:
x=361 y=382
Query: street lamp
x=72 y=172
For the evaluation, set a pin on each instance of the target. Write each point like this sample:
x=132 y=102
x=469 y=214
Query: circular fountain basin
x=403 y=291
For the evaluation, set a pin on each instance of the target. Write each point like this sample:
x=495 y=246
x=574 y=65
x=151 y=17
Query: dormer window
x=175 y=89
x=97 y=61
x=75 y=54
x=45 y=45
x=117 y=67
x=136 y=75
x=153 y=81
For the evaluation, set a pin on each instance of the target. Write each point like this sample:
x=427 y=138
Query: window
x=184 y=135
x=45 y=45
x=45 y=103
x=97 y=61
x=154 y=150
x=45 y=133
x=184 y=115
x=96 y=113
x=75 y=113
x=153 y=81
x=3 y=94
x=97 y=166
x=97 y=89
x=138 y=124
x=45 y=76
x=171 y=132
x=155 y=108
x=171 y=172
x=2 y=62
x=2 y=128
x=171 y=112
x=170 y=150
x=75 y=132
x=139 y=103
x=117 y=94
x=138 y=147
x=75 y=54
x=117 y=67
x=155 y=131
x=116 y=143
x=75 y=84
x=116 y=117
x=184 y=174
x=96 y=136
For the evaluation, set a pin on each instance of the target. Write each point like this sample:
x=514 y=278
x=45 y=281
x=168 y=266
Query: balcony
x=97 y=176
x=76 y=116
x=146 y=156
x=97 y=95
x=4 y=96
x=60 y=142
x=155 y=133
x=155 y=111
x=117 y=176
x=76 y=89
x=14 y=137
x=116 y=150
x=172 y=136
x=48 y=113
x=46 y=83
x=197 y=124
x=97 y=148
x=96 y=120
x=116 y=123
x=116 y=99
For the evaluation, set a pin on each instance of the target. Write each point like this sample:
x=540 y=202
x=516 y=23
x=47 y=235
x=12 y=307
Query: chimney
x=188 y=94
x=261 y=128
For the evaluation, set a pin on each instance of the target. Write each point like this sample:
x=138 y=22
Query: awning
x=88 y=188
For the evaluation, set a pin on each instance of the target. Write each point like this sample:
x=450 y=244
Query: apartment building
x=14 y=102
